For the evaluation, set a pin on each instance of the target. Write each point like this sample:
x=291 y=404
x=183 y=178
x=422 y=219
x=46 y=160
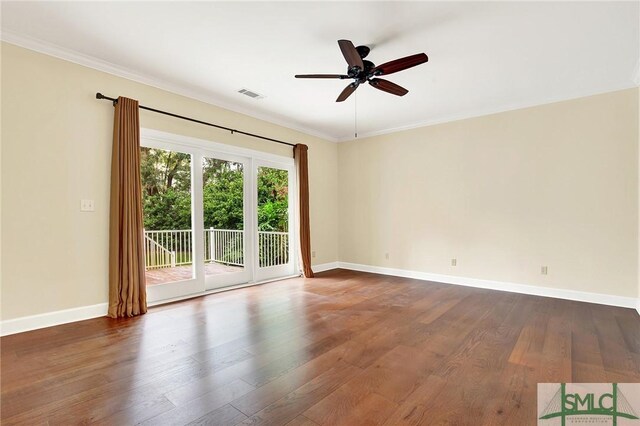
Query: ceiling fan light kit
x=362 y=71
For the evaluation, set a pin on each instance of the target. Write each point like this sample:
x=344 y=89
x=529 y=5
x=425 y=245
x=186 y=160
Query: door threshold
x=218 y=290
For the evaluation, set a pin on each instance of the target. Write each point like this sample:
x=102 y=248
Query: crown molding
x=109 y=68
x=489 y=111
x=118 y=71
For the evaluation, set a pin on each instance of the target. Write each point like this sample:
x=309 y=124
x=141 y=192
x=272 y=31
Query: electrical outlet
x=386 y=256
x=87 y=206
x=544 y=270
x=313 y=254
x=454 y=262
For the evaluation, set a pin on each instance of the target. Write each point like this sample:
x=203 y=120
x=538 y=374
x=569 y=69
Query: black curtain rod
x=182 y=117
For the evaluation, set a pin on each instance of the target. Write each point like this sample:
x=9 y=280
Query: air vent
x=250 y=94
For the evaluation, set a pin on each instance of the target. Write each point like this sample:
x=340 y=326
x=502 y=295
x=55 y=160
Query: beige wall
x=553 y=185
x=56 y=147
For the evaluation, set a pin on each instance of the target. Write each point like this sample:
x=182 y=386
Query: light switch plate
x=87 y=206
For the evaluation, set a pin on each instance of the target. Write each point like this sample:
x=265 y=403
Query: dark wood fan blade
x=350 y=54
x=347 y=92
x=340 y=76
x=400 y=64
x=387 y=86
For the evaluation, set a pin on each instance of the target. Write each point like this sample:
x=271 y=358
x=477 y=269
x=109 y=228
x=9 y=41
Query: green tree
x=166 y=192
x=223 y=194
x=273 y=200
x=166 y=189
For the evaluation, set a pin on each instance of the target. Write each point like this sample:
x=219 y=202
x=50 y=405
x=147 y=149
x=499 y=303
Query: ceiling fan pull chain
x=355 y=113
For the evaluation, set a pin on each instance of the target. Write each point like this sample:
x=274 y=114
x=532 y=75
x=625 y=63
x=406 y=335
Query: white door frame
x=291 y=267
x=246 y=275
x=251 y=160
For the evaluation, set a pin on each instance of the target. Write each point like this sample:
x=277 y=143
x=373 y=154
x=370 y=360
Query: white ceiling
x=484 y=56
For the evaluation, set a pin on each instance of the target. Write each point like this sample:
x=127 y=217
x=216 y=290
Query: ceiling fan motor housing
x=361 y=74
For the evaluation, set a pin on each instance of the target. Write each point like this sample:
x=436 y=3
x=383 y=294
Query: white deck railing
x=171 y=248
x=156 y=256
x=273 y=248
x=224 y=246
x=176 y=242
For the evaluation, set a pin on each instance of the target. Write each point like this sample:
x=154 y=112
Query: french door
x=215 y=216
x=275 y=242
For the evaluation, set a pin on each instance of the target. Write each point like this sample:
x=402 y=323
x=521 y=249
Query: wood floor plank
x=287 y=363
x=419 y=406
x=528 y=348
x=96 y=402
x=344 y=348
x=269 y=393
x=393 y=376
x=627 y=326
x=616 y=355
x=295 y=403
x=132 y=415
x=556 y=350
x=513 y=400
x=202 y=405
x=223 y=416
x=301 y=421
x=351 y=407
x=586 y=359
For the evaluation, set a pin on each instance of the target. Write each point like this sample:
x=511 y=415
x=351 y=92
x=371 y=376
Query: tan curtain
x=127 y=291
x=302 y=169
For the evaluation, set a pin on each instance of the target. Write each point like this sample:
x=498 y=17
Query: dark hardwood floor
x=345 y=348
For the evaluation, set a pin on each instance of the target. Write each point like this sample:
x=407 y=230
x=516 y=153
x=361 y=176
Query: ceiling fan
x=362 y=71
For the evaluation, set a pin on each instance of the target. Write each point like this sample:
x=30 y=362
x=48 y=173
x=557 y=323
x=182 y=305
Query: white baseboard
x=580 y=296
x=49 y=319
x=325 y=267
x=32 y=322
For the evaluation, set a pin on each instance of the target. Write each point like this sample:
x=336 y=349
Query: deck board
x=185 y=272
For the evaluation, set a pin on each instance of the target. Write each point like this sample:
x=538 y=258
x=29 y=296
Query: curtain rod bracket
x=101 y=96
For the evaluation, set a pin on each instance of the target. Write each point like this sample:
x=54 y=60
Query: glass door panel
x=223 y=193
x=273 y=222
x=167 y=199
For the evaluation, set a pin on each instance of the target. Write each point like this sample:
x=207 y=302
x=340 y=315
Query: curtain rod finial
x=99 y=95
